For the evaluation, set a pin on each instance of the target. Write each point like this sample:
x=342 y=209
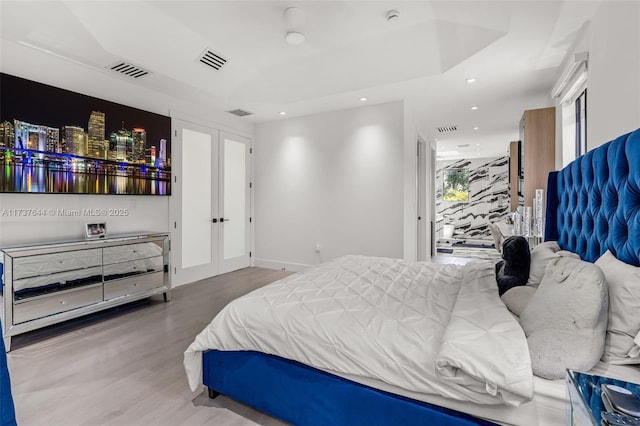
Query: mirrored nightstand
x=585 y=397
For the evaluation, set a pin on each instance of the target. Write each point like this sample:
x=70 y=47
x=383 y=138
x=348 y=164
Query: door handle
x=222 y=219
x=214 y=220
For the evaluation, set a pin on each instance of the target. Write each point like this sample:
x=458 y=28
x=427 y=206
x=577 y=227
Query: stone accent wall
x=488 y=198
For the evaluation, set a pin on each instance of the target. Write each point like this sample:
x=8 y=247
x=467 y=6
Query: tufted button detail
x=599 y=201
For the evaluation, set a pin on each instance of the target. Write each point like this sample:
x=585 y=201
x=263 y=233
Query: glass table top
x=585 y=395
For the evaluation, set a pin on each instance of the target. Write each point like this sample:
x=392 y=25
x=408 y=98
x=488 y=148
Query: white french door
x=210 y=205
x=234 y=202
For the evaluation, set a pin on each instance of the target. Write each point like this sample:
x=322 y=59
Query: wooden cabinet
x=538 y=136
x=49 y=283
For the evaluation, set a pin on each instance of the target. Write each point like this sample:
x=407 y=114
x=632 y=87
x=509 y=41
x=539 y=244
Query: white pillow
x=541 y=255
x=624 y=310
x=517 y=298
x=566 y=320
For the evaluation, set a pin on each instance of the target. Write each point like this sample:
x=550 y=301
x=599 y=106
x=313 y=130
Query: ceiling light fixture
x=471 y=80
x=476 y=128
x=475 y=107
x=294 y=19
x=363 y=99
x=294 y=38
x=283 y=113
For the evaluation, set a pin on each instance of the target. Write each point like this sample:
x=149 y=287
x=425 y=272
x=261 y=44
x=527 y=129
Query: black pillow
x=513 y=269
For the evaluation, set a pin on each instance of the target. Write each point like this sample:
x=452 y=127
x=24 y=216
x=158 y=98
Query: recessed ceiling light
x=471 y=80
x=363 y=99
x=475 y=107
x=283 y=113
x=294 y=38
x=476 y=128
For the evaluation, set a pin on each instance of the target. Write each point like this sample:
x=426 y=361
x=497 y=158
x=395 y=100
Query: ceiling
x=514 y=49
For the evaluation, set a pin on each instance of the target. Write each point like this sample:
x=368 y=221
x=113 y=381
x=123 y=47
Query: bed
x=379 y=358
x=7 y=410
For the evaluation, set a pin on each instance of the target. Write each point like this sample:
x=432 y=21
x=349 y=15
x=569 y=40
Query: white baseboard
x=275 y=264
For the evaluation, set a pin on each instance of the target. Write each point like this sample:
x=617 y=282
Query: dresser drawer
x=131 y=268
x=32 y=286
x=43 y=264
x=43 y=306
x=133 y=285
x=127 y=252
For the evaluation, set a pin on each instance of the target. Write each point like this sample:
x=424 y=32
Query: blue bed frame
x=593 y=205
x=7 y=410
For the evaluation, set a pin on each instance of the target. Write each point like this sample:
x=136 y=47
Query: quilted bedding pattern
x=384 y=319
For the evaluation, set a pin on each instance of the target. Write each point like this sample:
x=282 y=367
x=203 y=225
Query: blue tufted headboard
x=593 y=204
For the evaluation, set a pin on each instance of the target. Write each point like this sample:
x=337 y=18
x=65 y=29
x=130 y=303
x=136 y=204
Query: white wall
x=334 y=179
x=612 y=39
x=613 y=104
x=146 y=213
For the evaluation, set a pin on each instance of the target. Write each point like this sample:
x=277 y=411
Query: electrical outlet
x=317 y=248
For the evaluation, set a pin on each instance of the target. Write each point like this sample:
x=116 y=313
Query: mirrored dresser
x=45 y=284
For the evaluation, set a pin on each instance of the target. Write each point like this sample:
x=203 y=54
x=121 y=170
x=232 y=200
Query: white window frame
x=568 y=105
x=570 y=86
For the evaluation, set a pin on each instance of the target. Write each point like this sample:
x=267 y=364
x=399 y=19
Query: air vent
x=466 y=145
x=239 y=112
x=445 y=129
x=212 y=59
x=128 y=70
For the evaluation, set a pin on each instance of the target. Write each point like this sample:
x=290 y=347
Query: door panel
x=422 y=202
x=197 y=200
x=234 y=202
x=432 y=199
x=194 y=203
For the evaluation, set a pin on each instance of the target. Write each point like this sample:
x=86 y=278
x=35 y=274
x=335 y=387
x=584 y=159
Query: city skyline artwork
x=57 y=141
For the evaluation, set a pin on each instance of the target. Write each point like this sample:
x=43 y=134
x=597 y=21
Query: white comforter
x=433 y=329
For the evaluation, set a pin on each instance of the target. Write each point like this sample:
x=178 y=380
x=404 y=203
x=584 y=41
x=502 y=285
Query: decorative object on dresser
x=49 y=283
x=96 y=230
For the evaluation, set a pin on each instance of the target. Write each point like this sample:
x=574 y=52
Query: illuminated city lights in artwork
x=45 y=146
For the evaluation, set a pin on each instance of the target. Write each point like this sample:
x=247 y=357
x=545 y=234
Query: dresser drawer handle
x=63 y=302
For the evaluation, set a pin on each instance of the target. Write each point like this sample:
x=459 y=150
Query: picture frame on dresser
x=96 y=230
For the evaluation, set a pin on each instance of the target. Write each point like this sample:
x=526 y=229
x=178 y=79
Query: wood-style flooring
x=124 y=366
